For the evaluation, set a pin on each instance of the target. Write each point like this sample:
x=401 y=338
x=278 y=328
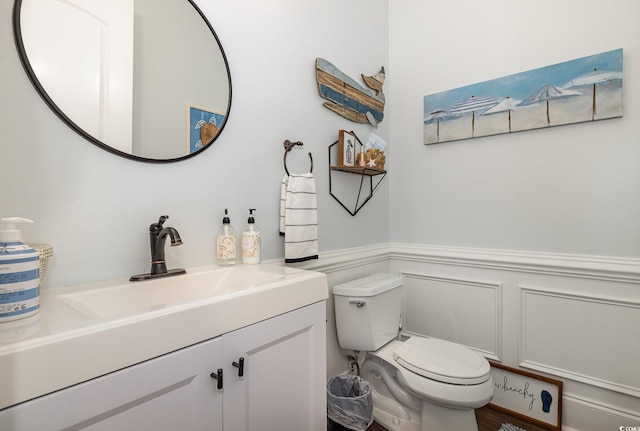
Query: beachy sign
x=581 y=90
x=534 y=398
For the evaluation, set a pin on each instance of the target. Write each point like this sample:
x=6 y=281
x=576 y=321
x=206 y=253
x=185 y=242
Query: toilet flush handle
x=358 y=302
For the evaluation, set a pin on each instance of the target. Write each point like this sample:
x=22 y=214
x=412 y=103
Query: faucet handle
x=157 y=227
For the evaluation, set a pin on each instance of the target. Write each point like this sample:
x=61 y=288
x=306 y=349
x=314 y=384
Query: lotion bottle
x=362 y=159
x=19 y=273
x=226 y=242
x=251 y=241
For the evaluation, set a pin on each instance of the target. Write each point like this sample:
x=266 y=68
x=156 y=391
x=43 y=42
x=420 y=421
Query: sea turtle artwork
x=208 y=130
x=347 y=98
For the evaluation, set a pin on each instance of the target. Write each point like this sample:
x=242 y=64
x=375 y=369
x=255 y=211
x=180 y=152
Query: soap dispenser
x=19 y=273
x=251 y=241
x=226 y=242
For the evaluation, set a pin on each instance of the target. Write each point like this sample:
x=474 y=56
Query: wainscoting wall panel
x=459 y=310
x=569 y=317
x=575 y=335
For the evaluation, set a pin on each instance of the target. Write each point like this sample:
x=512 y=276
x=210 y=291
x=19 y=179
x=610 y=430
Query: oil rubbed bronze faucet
x=157 y=238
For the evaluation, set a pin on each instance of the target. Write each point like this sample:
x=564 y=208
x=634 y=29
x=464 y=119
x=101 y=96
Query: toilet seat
x=442 y=361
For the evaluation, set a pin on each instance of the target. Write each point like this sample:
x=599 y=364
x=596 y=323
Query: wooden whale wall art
x=347 y=98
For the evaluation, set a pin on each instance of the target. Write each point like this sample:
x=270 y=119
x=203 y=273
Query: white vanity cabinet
x=283 y=382
x=172 y=392
x=282 y=386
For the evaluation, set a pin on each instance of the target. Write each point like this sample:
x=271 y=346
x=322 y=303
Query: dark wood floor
x=488 y=420
x=331 y=426
x=375 y=426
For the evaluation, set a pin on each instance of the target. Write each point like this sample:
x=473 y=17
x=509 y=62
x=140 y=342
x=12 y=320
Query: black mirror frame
x=17 y=33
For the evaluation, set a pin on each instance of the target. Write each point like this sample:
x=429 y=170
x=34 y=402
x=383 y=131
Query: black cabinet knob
x=218 y=376
x=240 y=366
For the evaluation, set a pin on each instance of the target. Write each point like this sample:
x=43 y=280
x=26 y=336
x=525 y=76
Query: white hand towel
x=299 y=218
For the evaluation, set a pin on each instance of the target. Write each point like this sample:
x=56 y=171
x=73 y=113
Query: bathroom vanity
x=240 y=348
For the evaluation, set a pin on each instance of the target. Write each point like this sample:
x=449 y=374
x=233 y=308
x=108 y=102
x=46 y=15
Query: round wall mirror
x=143 y=79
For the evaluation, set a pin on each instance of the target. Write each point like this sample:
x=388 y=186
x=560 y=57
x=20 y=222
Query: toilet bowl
x=418 y=384
x=406 y=400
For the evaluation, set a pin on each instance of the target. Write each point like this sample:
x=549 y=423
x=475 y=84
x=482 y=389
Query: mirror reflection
x=144 y=79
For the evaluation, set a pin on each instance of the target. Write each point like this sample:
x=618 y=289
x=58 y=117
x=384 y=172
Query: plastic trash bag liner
x=350 y=402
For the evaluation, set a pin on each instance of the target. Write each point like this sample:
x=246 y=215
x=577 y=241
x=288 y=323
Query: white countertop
x=65 y=344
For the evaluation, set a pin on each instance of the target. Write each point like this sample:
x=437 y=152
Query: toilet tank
x=368 y=311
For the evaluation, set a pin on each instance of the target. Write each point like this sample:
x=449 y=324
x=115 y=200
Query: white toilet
x=420 y=384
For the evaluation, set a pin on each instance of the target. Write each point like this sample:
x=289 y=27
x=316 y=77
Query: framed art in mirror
x=203 y=125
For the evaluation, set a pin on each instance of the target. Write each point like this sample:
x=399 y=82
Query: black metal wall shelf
x=364 y=172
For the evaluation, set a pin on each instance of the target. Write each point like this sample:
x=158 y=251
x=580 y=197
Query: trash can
x=350 y=402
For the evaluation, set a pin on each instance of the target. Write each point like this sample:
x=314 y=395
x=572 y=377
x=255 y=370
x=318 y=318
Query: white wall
x=95 y=208
x=570 y=189
x=554 y=197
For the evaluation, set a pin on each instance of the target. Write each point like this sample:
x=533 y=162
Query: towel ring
x=288 y=145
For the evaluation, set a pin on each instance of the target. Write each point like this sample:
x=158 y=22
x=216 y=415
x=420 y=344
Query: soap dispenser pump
x=19 y=273
x=251 y=241
x=226 y=242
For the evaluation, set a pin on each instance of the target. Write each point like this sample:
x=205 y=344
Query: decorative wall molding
x=626 y=270
x=339 y=260
x=583 y=320
x=614 y=269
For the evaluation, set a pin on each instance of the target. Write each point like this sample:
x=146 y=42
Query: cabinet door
x=283 y=386
x=169 y=393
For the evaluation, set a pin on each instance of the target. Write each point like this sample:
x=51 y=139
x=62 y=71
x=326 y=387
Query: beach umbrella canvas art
x=576 y=91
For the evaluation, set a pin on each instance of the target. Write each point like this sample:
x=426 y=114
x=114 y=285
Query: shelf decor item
x=375 y=158
x=346 y=148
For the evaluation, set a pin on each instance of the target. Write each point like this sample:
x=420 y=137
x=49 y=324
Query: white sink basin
x=169 y=291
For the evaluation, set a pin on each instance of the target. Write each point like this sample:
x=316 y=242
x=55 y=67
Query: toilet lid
x=443 y=361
